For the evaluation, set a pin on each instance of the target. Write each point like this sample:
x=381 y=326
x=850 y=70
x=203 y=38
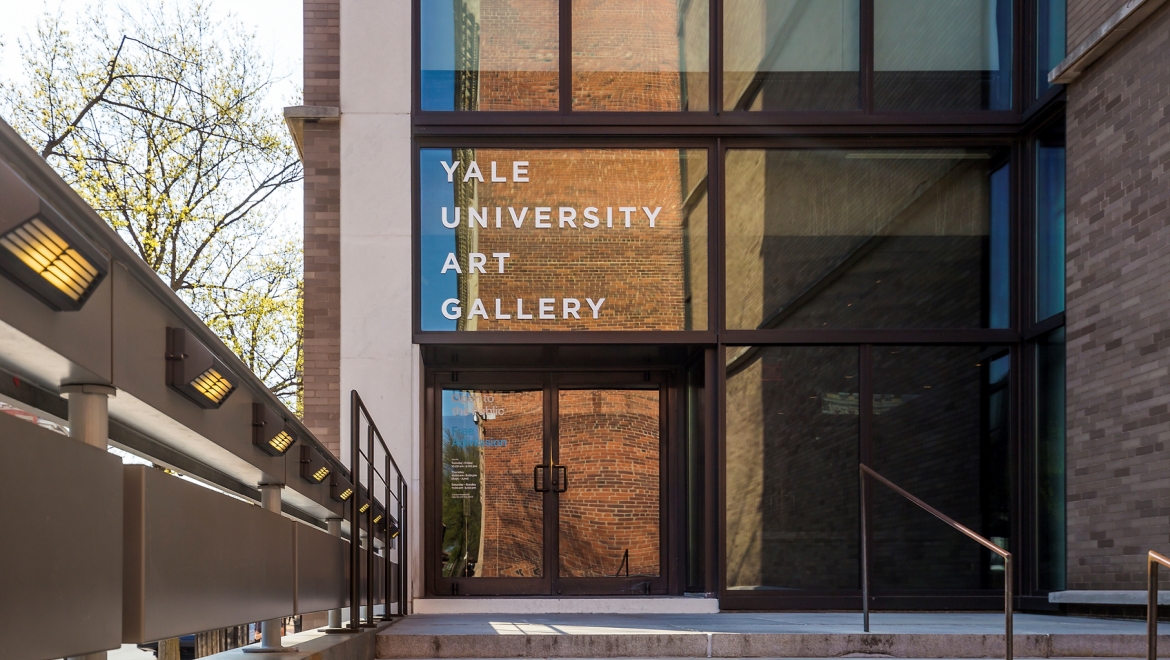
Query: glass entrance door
x=550 y=489
x=609 y=504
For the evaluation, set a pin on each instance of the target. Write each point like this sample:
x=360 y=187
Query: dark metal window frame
x=718 y=131
x=1023 y=20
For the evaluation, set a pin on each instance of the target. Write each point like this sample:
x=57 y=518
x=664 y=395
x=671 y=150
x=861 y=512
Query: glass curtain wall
x=940 y=431
x=791 y=55
x=937 y=55
x=1049 y=351
x=867 y=239
x=792 y=454
x=476 y=55
x=1050 y=40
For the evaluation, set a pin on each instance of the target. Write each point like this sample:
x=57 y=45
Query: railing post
x=333 y=525
x=89 y=423
x=369 y=515
x=355 y=530
x=270 y=629
x=1151 y=607
x=864 y=554
x=1008 y=607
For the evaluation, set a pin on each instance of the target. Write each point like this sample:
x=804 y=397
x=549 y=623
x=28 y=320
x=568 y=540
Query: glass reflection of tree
x=462 y=508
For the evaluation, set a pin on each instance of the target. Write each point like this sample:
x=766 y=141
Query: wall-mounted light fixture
x=314 y=468
x=340 y=488
x=195 y=372
x=41 y=251
x=393 y=528
x=270 y=431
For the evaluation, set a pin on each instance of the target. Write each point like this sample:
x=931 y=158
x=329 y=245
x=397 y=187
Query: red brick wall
x=322 y=191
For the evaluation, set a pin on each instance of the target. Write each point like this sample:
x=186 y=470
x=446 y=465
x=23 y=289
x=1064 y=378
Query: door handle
x=562 y=484
x=538 y=479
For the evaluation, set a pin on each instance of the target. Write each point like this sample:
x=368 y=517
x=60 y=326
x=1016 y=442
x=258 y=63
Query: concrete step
x=762 y=635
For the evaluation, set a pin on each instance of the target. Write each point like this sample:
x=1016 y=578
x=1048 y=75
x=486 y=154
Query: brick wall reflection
x=609 y=442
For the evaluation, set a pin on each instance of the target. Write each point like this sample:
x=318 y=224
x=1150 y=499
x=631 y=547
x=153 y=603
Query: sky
x=277 y=24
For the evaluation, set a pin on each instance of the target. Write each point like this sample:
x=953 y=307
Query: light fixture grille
x=213 y=385
x=320 y=474
x=345 y=494
x=377 y=519
x=365 y=507
x=281 y=442
x=46 y=253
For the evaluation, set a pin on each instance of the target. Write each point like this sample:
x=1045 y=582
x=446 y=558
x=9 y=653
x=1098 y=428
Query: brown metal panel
x=321 y=570
x=60 y=560
x=197 y=560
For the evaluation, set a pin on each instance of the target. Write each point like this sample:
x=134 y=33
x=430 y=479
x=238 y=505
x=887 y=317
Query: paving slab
x=760 y=635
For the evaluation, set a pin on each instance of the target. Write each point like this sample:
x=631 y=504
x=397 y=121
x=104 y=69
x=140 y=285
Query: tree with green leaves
x=161 y=125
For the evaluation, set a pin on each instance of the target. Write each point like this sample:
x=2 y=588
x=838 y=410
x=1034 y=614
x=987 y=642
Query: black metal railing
x=1153 y=561
x=394 y=527
x=865 y=471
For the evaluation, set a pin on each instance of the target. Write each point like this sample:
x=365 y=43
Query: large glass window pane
x=791 y=54
x=489 y=54
x=866 y=239
x=1050 y=448
x=940 y=431
x=942 y=55
x=1050 y=40
x=648 y=55
x=792 y=452
x=1050 y=255
x=493 y=522
x=609 y=519
x=576 y=239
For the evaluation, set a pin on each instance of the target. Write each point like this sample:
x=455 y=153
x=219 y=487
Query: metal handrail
x=1152 y=561
x=359 y=412
x=865 y=470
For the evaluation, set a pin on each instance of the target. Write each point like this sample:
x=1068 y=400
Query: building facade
x=636 y=288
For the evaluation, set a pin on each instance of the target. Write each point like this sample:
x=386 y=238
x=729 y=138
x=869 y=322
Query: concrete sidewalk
x=744 y=635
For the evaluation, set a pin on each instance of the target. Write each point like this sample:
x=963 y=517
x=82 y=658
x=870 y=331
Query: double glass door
x=550 y=485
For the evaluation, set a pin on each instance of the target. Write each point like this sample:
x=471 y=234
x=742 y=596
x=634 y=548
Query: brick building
x=846 y=246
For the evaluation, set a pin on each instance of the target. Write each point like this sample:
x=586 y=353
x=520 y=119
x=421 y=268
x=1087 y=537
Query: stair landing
x=759 y=635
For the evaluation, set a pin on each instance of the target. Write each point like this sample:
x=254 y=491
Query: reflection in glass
x=1050 y=448
x=866 y=239
x=477 y=55
x=493 y=521
x=576 y=239
x=609 y=519
x=942 y=54
x=1050 y=254
x=1050 y=40
x=791 y=54
x=649 y=55
x=792 y=454
x=940 y=431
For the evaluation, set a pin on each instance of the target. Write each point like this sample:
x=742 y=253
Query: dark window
x=940 y=431
x=1050 y=255
x=867 y=239
x=942 y=55
x=792 y=455
x=1050 y=40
